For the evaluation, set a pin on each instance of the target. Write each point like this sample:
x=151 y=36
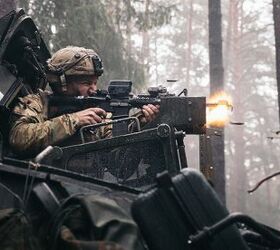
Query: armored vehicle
x=98 y=194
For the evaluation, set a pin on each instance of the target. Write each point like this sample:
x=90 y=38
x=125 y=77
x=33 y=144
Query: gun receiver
x=183 y=113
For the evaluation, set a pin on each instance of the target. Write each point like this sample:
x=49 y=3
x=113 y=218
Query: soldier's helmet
x=71 y=64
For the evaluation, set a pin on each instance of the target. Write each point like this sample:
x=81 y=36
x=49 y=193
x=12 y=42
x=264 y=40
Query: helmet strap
x=63 y=82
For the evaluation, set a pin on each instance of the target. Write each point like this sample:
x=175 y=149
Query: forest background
x=152 y=41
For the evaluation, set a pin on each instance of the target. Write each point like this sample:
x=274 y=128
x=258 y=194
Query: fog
x=153 y=41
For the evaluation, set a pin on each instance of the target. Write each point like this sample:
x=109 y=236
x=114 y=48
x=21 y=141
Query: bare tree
x=216 y=84
x=238 y=171
x=145 y=53
x=276 y=17
x=189 y=41
x=128 y=38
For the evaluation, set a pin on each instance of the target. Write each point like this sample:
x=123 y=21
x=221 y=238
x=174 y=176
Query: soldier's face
x=85 y=88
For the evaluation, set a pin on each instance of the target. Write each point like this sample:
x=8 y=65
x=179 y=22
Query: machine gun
x=182 y=112
x=117 y=100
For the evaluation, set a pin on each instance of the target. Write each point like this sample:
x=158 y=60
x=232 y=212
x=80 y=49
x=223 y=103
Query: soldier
x=72 y=71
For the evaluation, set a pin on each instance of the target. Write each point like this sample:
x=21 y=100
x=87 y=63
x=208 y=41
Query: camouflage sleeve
x=31 y=131
x=140 y=116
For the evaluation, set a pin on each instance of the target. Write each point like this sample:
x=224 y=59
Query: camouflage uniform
x=31 y=130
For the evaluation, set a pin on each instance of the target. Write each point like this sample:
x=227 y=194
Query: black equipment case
x=180 y=207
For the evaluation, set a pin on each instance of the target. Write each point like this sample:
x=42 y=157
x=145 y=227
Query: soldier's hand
x=90 y=116
x=150 y=112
